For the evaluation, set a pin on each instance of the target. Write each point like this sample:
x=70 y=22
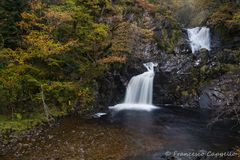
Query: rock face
x=222 y=96
x=223 y=92
x=111 y=89
x=224 y=21
x=208 y=80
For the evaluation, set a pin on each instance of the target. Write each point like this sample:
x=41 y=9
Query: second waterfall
x=139 y=91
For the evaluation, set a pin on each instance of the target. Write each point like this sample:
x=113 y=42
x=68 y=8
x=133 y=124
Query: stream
x=129 y=135
x=135 y=129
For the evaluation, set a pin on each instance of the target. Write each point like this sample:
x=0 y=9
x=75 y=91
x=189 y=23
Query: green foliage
x=185 y=93
x=152 y=1
x=213 y=67
x=59 y=94
x=60 y=45
x=226 y=15
x=1 y=41
x=10 y=14
x=169 y=28
x=19 y=123
x=226 y=21
x=64 y=49
x=96 y=7
x=169 y=40
x=225 y=61
x=18 y=116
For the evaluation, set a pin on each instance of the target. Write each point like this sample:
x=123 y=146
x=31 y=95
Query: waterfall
x=139 y=91
x=140 y=87
x=199 y=38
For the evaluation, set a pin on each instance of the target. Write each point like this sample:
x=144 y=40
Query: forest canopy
x=59 y=45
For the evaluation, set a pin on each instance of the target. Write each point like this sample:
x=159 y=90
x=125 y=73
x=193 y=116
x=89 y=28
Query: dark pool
x=131 y=135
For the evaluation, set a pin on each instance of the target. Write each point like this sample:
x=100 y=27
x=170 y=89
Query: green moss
x=223 y=62
x=204 y=68
x=178 y=88
x=17 y=125
x=230 y=67
x=169 y=28
x=3 y=118
x=185 y=93
x=153 y=1
x=226 y=20
x=169 y=39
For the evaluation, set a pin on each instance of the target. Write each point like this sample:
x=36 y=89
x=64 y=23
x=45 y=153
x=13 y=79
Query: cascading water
x=139 y=91
x=140 y=87
x=199 y=38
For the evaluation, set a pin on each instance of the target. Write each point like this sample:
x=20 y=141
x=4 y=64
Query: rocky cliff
x=156 y=32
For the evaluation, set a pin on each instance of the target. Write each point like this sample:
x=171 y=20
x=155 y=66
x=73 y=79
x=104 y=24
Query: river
x=129 y=135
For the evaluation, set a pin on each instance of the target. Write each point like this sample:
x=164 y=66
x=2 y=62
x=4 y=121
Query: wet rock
x=26 y=145
x=182 y=46
x=221 y=92
x=19 y=146
x=72 y=149
x=5 y=142
x=50 y=136
x=176 y=63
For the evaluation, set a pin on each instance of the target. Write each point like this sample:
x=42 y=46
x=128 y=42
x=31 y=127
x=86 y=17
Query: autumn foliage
x=146 y=5
x=57 y=48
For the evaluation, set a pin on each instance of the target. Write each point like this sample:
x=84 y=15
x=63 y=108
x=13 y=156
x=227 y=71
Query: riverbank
x=77 y=57
x=127 y=135
x=18 y=127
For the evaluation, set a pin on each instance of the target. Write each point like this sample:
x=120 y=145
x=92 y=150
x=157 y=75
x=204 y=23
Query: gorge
x=120 y=79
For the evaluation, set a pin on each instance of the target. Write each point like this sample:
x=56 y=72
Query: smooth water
x=128 y=135
x=136 y=107
x=140 y=87
x=139 y=91
x=199 y=38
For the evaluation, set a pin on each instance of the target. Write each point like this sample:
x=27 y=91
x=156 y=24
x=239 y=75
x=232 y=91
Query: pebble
x=50 y=136
x=72 y=148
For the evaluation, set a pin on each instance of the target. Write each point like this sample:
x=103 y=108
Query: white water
x=199 y=38
x=139 y=91
x=98 y=115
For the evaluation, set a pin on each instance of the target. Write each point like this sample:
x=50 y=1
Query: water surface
x=128 y=135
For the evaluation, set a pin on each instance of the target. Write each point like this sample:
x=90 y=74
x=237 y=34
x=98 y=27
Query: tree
x=10 y=11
